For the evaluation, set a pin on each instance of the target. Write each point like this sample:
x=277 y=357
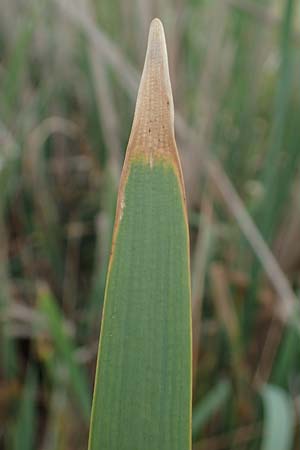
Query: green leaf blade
x=279 y=420
x=142 y=397
x=144 y=367
x=209 y=405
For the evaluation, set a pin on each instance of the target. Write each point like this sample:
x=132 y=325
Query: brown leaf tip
x=153 y=125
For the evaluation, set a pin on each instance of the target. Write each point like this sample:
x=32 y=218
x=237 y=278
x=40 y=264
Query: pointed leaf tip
x=153 y=125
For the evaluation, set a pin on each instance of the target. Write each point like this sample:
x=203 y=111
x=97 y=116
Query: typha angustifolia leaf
x=142 y=395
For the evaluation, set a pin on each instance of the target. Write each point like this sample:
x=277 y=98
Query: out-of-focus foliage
x=68 y=81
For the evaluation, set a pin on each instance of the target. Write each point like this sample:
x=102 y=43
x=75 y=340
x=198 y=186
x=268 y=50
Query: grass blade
x=268 y=211
x=142 y=395
x=24 y=432
x=273 y=163
x=65 y=348
x=279 y=419
x=287 y=357
x=208 y=406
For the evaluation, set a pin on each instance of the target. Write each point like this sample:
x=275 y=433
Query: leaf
x=279 y=419
x=287 y=355
x=11 y=84
x=142 y=397
x=24 y=432
x=209 y=405
x=65 y=348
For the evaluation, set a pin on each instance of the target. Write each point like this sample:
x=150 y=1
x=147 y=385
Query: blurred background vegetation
x=69 y=71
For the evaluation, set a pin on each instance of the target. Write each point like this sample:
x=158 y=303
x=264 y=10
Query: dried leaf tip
x=153 y=125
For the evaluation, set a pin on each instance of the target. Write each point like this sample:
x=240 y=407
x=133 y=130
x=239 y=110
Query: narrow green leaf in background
x=279 y=420
x=209 y=405
x=65 y=349
x=24 y=432
x=142 y=397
